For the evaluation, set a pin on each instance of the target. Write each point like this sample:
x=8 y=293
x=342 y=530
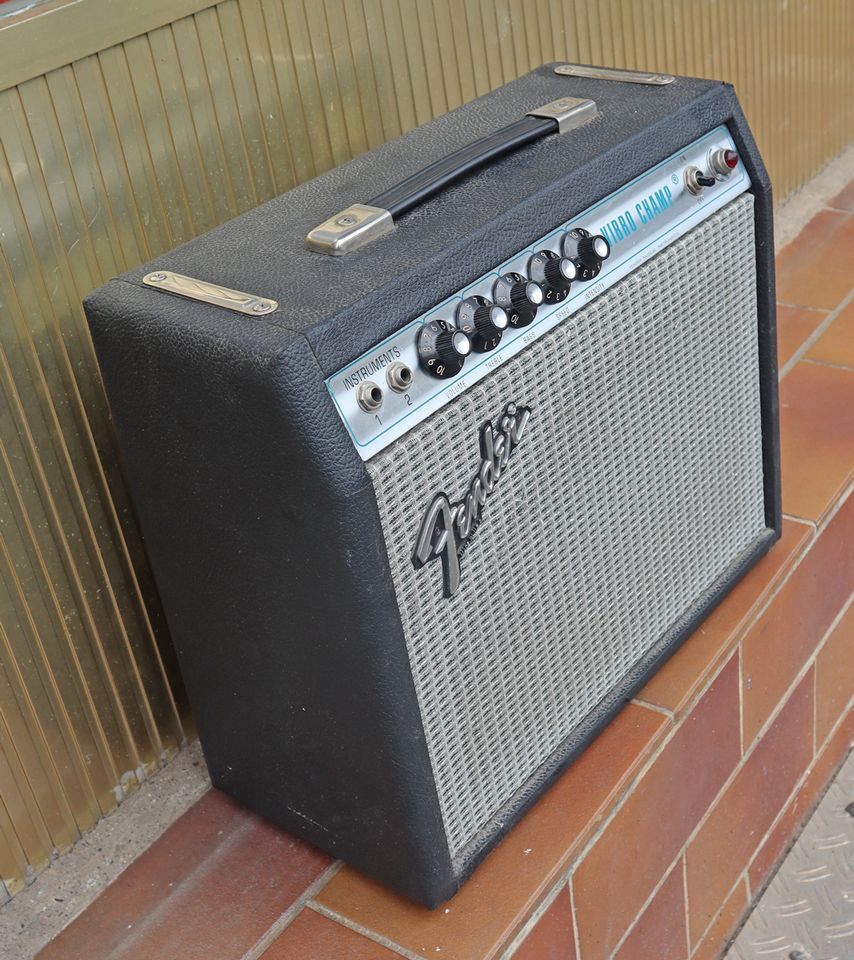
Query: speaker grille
x=637 y=483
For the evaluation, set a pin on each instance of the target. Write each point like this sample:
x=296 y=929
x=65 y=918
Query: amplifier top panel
x=344 y=306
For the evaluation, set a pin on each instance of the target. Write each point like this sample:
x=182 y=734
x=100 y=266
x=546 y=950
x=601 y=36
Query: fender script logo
x=446 y=527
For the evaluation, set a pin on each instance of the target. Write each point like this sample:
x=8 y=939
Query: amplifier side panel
x=635 y=492
x=264 y=538
x=766 y=299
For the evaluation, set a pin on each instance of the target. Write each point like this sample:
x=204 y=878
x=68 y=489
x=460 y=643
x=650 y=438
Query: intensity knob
x=442 y=349
x=483 y=321
x=553 y=273
x=586 y=251
x=519 y=296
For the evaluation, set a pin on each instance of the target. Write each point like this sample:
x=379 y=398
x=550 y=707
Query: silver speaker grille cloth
x=637 y=483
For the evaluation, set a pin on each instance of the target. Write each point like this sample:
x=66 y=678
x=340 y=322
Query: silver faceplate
x=639 y=220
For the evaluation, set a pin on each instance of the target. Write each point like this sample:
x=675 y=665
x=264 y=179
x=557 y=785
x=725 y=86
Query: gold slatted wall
x=131 y=137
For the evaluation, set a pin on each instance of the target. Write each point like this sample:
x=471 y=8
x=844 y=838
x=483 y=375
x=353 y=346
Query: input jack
x=369 y=396
x=399 y=377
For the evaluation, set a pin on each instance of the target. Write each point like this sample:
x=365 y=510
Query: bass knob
x=519 y=296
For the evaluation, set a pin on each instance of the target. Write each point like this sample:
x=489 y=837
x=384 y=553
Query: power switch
x=696 y=181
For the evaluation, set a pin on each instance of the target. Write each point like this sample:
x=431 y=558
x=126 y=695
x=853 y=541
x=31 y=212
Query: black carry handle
x=361 y=223
x=423 y=184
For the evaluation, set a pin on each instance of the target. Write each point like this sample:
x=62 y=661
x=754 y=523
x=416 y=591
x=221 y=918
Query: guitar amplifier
x=437 y=456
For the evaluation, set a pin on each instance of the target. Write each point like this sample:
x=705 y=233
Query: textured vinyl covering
x=637 y=482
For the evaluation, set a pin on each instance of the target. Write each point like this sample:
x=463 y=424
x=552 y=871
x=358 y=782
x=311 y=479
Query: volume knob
x=519 y=296
x=586 y=251
x=442 y=349
x=553 y=273
x=483 y=321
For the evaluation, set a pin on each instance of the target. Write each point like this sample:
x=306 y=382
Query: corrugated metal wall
x=108 y=158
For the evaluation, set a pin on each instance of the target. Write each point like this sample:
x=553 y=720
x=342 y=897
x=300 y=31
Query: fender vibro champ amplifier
x=430 y=488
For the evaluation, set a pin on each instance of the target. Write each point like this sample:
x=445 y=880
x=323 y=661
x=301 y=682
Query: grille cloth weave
x=637 y=483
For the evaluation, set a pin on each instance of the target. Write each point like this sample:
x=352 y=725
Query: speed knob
x=519 y=296
x=442 y=349
x=586 y=251
x=553 y=273
x=483 y=322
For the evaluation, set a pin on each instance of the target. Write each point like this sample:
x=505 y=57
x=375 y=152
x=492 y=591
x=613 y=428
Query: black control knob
x=519 y=296
x=442 y=349
x=586 y=251
x=553 y=273
x=483 y=321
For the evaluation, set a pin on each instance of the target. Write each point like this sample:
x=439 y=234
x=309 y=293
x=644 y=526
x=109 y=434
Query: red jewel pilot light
x=730 y=159
x=723 y=161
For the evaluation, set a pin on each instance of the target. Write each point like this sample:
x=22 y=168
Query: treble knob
x=483 y=321
x=519 y=296
x=442 y=349
x=553 y=273
x=586 y=251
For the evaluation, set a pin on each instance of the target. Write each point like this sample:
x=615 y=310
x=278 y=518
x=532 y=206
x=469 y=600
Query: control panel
x=436 y=357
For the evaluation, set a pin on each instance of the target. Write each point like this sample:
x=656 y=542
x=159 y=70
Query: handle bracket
x=350 y=229
x=570 y=112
